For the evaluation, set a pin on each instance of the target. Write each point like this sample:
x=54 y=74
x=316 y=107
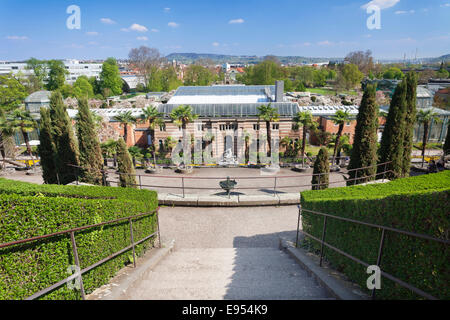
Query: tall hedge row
x=28 y=210
x=418 y=204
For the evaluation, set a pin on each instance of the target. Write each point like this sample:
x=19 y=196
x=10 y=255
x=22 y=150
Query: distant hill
x=188 y=58
x=445 y=58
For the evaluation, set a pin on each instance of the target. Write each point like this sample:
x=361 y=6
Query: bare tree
x=144 y=59
x=363 y=60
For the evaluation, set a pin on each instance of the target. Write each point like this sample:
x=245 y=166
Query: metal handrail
x=79 y=274
x=380 y=249
x=274 y=178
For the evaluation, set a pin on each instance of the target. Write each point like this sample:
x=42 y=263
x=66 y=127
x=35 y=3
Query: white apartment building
x=75 y=68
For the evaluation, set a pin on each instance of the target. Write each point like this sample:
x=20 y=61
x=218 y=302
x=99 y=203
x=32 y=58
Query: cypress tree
x=364 y=153
x=46 y=148
x=64 y=138
x=91 y=158
x=321 y=166
x=410 y=121
x=447 y=141
x=391 y=149
x=125 y=166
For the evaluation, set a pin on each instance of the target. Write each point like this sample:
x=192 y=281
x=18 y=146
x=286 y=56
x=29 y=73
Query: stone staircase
x=226 y=273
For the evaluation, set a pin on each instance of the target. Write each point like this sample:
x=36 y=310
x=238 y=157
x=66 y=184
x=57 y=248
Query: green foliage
x=391 y=149
x=197 y=75
x=125 y=166
x=91 y=158
x=31 y=210
x=64 y=138
x=350 y=76
x=125 y=118
x=183 y=115
x=12 y=93
x=393 y=73
x=110 y=80
x=321 y=166
x=419 y=204
x=410 y=119
x=56 y=75
x=364 y=151
x=19 y=121
x=82 y=88
x=46 y=148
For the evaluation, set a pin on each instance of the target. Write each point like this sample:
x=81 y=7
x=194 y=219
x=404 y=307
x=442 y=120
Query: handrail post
x=323 y=239
x=380 y=253
x=275 y=188
x=182 y=183
x=319 y=182
x=298 y=223
x=57 y=178
x=356 y=176
x=157 y=222
x=132 y=241
x=76 y=173
x=140 y=182
x=385 y=169
x=77 y=263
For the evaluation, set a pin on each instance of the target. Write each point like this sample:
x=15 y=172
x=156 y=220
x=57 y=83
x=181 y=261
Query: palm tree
x=305 y=119
x=20 y=120
x=135 y=153
x=286 y=142
x=425 y=117
x=125 y=118
x=169 y=144
x=109 y=148
x=268 y=114
x=154 y=119
x=182 y=116
x=339 y=118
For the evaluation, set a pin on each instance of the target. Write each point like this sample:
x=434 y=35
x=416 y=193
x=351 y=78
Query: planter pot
x=335 y=169
x=299 y=168
x=154 y=170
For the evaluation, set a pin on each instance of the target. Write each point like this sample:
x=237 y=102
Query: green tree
x=46 y=148
x=391 y=147
x=39 y=68
x=12 y=93
x=182 y=116
x=350 y=76
x=306 y=120
x=339 y=118
x=393 y=73
x=425 y=118
x=364 y=152
x=109 y=149
x=410 y=121
x=135 y=153
x=196 y=75
x=269 y=115
x=64 y=138
x=321 y=172
x=56 y=75
x=110 y=77
x=127 y=176
x=126 y=119
x=91 y=159
x=82 y=88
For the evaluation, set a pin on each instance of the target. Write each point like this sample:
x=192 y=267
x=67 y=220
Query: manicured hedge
x=28 y=210
x=418 y=204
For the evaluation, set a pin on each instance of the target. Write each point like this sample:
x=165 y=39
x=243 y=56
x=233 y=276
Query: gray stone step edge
x=223 y=201
x=117 y=288
x=338 y=288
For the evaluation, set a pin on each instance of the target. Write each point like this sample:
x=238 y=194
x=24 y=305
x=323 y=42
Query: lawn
x=328 y=92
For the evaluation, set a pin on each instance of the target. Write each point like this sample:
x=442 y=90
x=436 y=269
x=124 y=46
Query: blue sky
x=325 y=28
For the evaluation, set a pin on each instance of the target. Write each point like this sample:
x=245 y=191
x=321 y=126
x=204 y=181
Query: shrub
x=29 y=210
x=418 y=204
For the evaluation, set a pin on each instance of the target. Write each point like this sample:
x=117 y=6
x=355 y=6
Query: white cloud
x=107 y=21
x=92 y=43
x=236 y=21
x=142 y=38
x=17 y=38
x=92 y=33
x=445 y=5
x=324 y=43
x=405 y=12
x=215 y=44
x=167 y=10
x=135 y=27
x=154 y=30
x=383 y=4
x=173 y=24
